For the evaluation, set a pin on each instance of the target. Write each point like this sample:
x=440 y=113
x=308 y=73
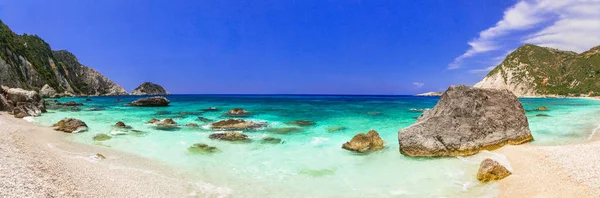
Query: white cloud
x=487 y=69
x=418 y=84
x=564 y=24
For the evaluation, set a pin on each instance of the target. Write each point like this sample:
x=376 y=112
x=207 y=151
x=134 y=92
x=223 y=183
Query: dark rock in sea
x=96 y=109
x=202 y=149
x=70 y=125
x=302 y=123
x=237 y=112
x=148 y=88
x=205 y=120
x=163 y=113
x=363 y=143
x=490 y=170
x=284 y=130
x=153 y=120
x=271 y=140
x=189 y=113
x=542 y=108
x=230 y=136
x=465 y=121
x=88 y=99
x=118 y=99
x=122 y=125
x=542 y=115
x=336 y=128
x=157 y=101
x=102 y=137
x=236 y=124
x=191 y=124
x=210 y=109
x=374 y=113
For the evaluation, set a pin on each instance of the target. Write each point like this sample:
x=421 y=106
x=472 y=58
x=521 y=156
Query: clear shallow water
x=311 y=163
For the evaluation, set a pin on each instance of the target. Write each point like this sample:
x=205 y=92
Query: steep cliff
x=28 y=62
x=534 y=71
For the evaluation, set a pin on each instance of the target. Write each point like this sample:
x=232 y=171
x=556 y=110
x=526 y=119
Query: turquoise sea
x=310 y=162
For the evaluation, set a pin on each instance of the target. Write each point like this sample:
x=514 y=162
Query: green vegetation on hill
x=554 y=71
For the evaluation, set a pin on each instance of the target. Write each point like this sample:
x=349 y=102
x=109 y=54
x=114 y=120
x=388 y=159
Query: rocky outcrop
x=48 y=92
x=538 y=71
x=21 y=103
x=465 y=121
x=28 y=62
x=237 y=112
x=70 y=125
x=490 y=170
x=430 y=94
x=149 y=88
x=363 y=143
x=157 y=101
x=236 y=124
x=230 y=136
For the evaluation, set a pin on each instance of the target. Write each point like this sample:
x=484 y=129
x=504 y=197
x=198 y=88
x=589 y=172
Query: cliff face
x=534 y=71
x=149 y=88
x=28 y=62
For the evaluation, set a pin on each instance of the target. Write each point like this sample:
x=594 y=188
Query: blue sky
x=308 y=46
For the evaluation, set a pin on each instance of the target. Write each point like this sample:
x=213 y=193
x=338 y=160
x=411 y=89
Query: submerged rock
x=230 y=136
x=364 y=142
x=70 y=125
x=163 y=113
x=101 y=137
x=236 y=124
x=542 y=108
x=203 y=119
x=336 y=128
x=237 y=112
x=166 y=124
x=157 y=101
x=284 y=130
x=465 y=121
x=88 y=99
x=202 y=149
x=301 y=123
x=96 y=109
x=271 y=140
x=542 y=115
x=191 y=124
x=490 y=170
x=210 y=109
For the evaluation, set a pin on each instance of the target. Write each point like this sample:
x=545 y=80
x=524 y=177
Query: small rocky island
x=149 y=88
x=464 y=121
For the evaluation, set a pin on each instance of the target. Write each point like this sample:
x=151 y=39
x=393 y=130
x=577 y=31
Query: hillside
x=535 y=71
x=27 y=61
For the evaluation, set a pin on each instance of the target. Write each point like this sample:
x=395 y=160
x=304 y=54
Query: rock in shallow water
x=236 y=124
x=237 y=112
x=363 y=143
x=284 y=130
x=202 y=149
x=542 y=108
x=271 y=140
x=490 y=170
x=230 y=136
x=70 y=125
x=465 y=121
x=302 y=123
x=157 y=101
x=101 y=137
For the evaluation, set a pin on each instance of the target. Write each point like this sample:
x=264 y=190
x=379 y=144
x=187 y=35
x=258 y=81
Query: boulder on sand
x=70 y=125
x=364 y=142
x=47 y=92
x=236 y=124
x=19 y=101
x=157 y=101
x=490 y=170
x=464 y=121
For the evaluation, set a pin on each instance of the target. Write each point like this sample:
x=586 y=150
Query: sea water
x=311 y=162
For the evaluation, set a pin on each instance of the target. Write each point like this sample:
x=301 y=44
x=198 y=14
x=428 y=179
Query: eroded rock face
x=230 y=136
x=490 y=170
x=47 y=92
x=149 y=88
x=465 y=121
x=364 y=142
x=236 y=124
x=70 y=125
x=157 y=101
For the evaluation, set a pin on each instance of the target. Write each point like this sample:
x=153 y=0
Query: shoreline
x=553 y=171
x=38 y=161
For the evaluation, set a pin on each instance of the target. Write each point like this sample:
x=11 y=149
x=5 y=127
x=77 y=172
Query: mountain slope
x=534 y=71
x=28 y=62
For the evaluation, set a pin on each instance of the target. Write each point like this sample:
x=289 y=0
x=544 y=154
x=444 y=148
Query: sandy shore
x=553 y=171
x=38 y=162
